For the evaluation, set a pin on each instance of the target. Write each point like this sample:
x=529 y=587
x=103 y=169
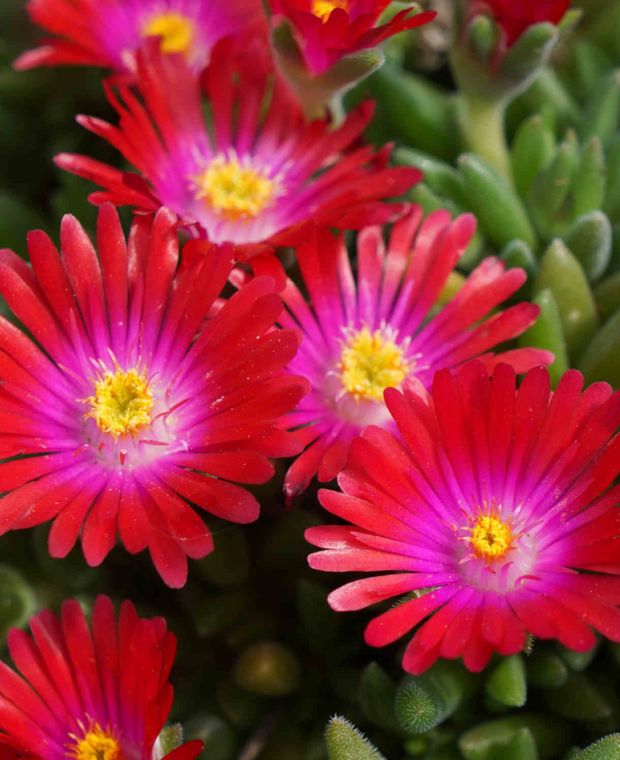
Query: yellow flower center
x=323 y=8
x=233 y=190
x=96 y=744
x=370 y=363
x=490 y=538
x=176 y=31
x=122 y=402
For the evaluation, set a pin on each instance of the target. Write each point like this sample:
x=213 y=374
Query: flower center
x=490 y=537
x=122 y=403
x=370 y=363
x=176 y=31
x=96 y=744
x=235 y=191
x=323 y=8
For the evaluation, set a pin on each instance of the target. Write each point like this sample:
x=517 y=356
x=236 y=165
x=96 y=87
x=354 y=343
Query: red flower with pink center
x=140 y=391
x=256 y=171
x=327 y=30
x=85 y=691
x=495 y=510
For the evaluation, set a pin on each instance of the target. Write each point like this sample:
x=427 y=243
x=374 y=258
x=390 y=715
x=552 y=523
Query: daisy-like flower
x=359 y=338
x=138 y=393
x=253 y=173
x=495 y=509
x=514 y=18
x=98 y=692
x=108 y=33
x=327 y=30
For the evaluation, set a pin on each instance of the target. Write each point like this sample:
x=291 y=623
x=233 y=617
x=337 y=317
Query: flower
x=327 y=30
x=90 y=692
x=514 y=18
x=360 y=338
x=488 y=508
x=254 y=175
x=138 y=392
x=108 y=33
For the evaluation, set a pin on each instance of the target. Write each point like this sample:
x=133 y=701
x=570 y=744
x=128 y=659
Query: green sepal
x=607 y=748
x=590 y=180
x=483 y=36
x=532 y=151
x=318 y=92
x=601 y=359
x=545 y=668
x=500 y=212
x=602 y=116
x=170 y=738
x=377 y=694
x=345 y=742
x=529 y=53
x=579 y=699
x=506 y=681
x=590 y=239
x=563 y=275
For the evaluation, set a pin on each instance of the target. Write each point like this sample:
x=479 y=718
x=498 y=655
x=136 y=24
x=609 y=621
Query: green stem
x=482 y=127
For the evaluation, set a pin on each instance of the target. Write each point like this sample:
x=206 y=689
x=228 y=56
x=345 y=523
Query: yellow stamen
x=176 y=31
x=122 y=402
x=96 y=744
x=370 y=363
x=490 y=538
x=323 y=8
x=233 y=190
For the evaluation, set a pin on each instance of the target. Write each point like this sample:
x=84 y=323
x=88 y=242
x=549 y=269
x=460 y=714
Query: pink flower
x=140 y=391
x=256 y=172
x=495 y=512
x=363 y=334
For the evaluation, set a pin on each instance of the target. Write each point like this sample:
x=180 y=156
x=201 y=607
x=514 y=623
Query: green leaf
x=601 y=359
x=590 y=179
x=506 y=682
x=590 y=239
x=345 y=742
x=532 y=151
x=545 y=669
x=579 y=699
x=607 y=748
x=377 y=694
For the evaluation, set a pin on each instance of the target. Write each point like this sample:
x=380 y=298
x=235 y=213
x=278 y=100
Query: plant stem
x=482 y=126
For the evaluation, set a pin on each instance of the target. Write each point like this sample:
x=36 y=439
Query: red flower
x=140 y=391
x=327 y=30
x=109 y=32
x=256 y=171
x=515 y=16
x=82 y=692
x=496 y=506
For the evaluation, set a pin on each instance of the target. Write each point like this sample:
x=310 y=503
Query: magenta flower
x=140 y=391
x=257 y=171
x=109 y=33
x=488 y=507
x=359 y=338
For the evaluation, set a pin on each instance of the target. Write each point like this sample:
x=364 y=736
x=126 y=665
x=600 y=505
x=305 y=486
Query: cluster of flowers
x=142 y=391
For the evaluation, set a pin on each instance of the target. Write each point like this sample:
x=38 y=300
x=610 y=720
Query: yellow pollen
x=97 y=744
x=176 y=31
x=370 y=363
x=323 y=8
x=122 y=402
x=490 y=537
x=233 y=190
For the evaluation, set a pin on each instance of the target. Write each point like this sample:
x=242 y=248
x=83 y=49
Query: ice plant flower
x=361 y=337
x=514 y=18
x=139 y=392
x=98 y=692
x=495 y=510
x=108 y=33
x=251 y=177
x=328 y=30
